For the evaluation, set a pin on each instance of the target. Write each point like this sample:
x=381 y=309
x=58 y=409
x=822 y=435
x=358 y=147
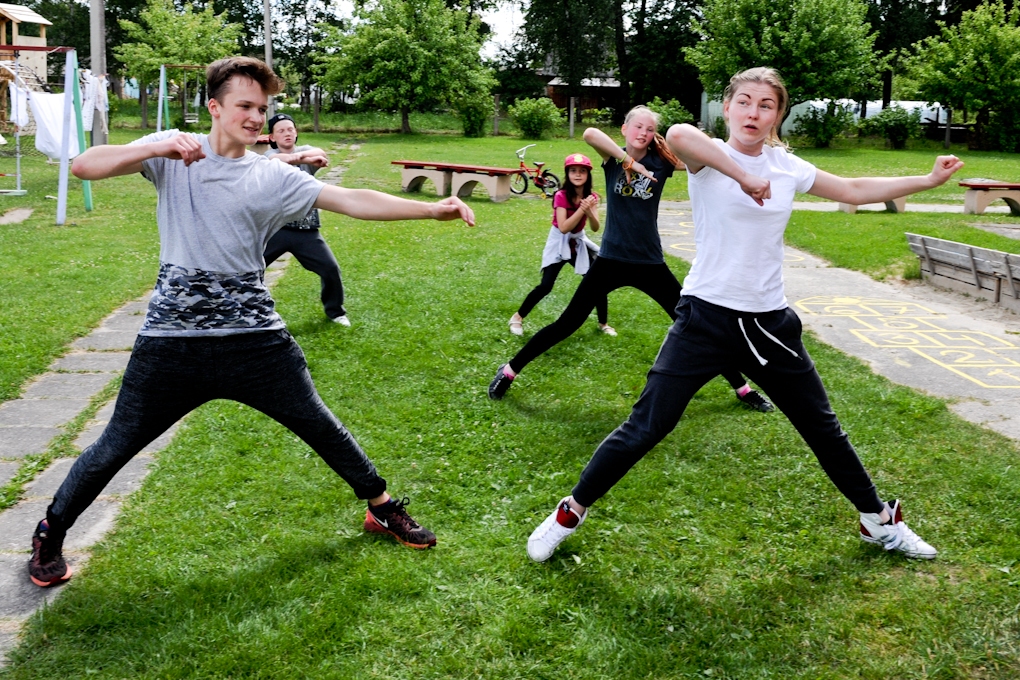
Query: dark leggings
x=654 y=280
x=705 y=340
x=549 y=275
x=166 y=378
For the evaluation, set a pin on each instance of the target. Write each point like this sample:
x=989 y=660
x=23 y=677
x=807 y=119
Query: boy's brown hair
x=219 y=73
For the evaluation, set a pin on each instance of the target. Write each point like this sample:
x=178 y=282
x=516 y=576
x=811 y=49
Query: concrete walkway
x=938 y=341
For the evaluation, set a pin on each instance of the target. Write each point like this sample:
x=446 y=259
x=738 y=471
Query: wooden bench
x=990 y=274
x=981 y=192
x=457 y=179
x=896 y=205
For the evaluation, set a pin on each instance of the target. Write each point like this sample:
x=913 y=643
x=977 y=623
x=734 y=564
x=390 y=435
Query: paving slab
x=18 y=442
x=21 y=596
x=123 y=321
x=40 y=412
x=1007 y=230
x=139 y=306
x=46 y=483
x=8 y=641
x=18 y=523
x=16 y=215
x=943 y=343
x=123 y=483
x=95 y=427
x=161 y=442
x=104 y=340
x=67 y=386
x=7 y=471
x=99 y=362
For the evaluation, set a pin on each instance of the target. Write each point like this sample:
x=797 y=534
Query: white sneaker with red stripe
x=895 y=534
x=544 y=540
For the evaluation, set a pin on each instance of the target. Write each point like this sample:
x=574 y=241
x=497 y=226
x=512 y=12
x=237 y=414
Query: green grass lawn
x=725 y=554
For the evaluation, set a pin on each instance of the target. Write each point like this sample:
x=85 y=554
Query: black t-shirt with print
x=632 y=212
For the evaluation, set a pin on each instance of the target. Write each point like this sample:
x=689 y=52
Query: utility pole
x=268 y=32
x=97 y=42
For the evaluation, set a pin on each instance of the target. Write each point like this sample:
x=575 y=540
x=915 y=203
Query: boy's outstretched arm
x=113 y=160
x=365 y=204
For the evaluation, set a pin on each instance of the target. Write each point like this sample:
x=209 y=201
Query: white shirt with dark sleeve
x=215 y=217
x=739 y=261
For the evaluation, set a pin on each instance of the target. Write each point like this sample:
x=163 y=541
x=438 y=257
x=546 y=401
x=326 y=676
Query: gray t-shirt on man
x=215 y=217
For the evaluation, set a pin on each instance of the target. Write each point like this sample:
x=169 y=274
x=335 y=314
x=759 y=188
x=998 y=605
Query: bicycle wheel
x=519 y=183
x=552 y=184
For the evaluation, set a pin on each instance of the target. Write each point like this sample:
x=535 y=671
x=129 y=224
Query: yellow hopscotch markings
x=984 y=359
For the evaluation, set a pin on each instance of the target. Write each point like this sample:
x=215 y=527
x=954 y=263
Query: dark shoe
x=391 y=518
x=500 y=384
x=756 y=402
x=47 y=566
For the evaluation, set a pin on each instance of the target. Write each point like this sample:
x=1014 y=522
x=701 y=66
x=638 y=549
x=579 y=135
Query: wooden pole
x=572 y=100
x=97 y=24
x=495 y=115
x=267 y=17
x=316 y=96
x=949 y=127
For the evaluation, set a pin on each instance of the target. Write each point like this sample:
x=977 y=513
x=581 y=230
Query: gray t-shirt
x=632 y=212
x=311 y=220
x=215 y=218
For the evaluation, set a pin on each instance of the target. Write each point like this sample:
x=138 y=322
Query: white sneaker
x=516 y=327
x=554 y=530
x=342 y=320
x=896 y=535
x=608 y=330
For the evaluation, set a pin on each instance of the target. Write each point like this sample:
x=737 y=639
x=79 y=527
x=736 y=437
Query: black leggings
x=705 y=340
x=549 y=275
x=313 y=253
x=654 y=280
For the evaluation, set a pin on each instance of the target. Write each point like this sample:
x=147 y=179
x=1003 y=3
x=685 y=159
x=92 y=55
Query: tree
x=576 y=34
x=660 y=28
x=974 y=66
x=898 y=24
x=70 y=28
x=824 y=49
x=163 y=35
x=407 y=55
x=300 y=27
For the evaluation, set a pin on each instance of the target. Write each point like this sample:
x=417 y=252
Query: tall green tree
x=975 y=66
x=407 y=55
x=898 y=24
x=824 y=49
x=577 y=35
x=299 y=28
x=166 y=35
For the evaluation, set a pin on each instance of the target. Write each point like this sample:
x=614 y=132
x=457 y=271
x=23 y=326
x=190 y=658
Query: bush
x=671 y=113
x=533 y=117
x=719 y=128
x=597 y=116
x=821 y=126
x=895 y=124
x=474 y=115
x=1004 y=130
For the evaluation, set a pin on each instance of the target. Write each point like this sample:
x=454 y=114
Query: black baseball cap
x=276 y=119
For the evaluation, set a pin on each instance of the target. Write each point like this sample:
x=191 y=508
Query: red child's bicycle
x=543 y=180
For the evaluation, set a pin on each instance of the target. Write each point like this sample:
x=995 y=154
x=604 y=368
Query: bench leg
x=847 y=208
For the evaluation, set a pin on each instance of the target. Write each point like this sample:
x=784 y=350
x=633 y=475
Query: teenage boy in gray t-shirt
x=211 y=331
x=301 y=237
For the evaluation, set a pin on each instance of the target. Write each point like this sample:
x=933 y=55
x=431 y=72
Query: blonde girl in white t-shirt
x=733 y=314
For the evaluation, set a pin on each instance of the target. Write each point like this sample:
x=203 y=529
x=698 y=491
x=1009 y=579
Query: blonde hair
x=767 y=76
x=658 y=144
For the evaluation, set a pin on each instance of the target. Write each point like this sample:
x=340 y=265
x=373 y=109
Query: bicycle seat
x=539 y=164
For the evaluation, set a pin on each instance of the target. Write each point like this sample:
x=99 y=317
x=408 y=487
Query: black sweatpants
x=166 y=378
x=654 y=280
x=313 y=253
x=549 y=275
x=704 y=341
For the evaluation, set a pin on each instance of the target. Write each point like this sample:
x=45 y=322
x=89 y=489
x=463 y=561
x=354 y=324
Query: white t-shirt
x=739 y=261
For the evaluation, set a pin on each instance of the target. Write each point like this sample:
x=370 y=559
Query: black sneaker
x=756 y=402
x=47 y=566
x=500 y=384
x=391 y=518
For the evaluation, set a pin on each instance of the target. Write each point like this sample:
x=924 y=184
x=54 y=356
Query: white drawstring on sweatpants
x=762 y=360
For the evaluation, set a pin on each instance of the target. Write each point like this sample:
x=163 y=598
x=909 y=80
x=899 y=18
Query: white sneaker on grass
x=544 y=540
x=342 y=320
x=895 y=535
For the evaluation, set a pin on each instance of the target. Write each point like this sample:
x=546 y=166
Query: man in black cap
x=302 y=238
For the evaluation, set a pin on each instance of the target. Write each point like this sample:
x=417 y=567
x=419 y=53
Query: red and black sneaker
x=391 y=518
x=47 y=566
x=754 y=401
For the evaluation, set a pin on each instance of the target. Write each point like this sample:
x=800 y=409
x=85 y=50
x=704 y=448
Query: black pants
x=549 y=275
x=705 y=340
x=654 y=280
x=313 y=253
x=166 y=378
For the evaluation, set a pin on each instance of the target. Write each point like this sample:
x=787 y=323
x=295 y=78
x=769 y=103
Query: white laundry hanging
x=48 y=110
x=19 y=104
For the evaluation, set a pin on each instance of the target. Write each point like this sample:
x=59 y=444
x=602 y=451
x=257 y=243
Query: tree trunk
x=622 y=62
x=143 y=101
x=949 y=128
x=117 y=86
x=405 y=120
x=886 y=88
x=863 y=116
x=978 y=139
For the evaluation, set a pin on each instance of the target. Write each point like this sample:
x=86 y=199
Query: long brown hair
x=658 y=144
x=767 y=76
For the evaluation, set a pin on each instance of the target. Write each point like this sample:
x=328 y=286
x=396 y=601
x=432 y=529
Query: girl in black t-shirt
x=631 y=252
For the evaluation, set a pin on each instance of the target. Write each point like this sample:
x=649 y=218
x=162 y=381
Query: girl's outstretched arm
x=861 y=190
x=365 y=204
x=697 y=150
